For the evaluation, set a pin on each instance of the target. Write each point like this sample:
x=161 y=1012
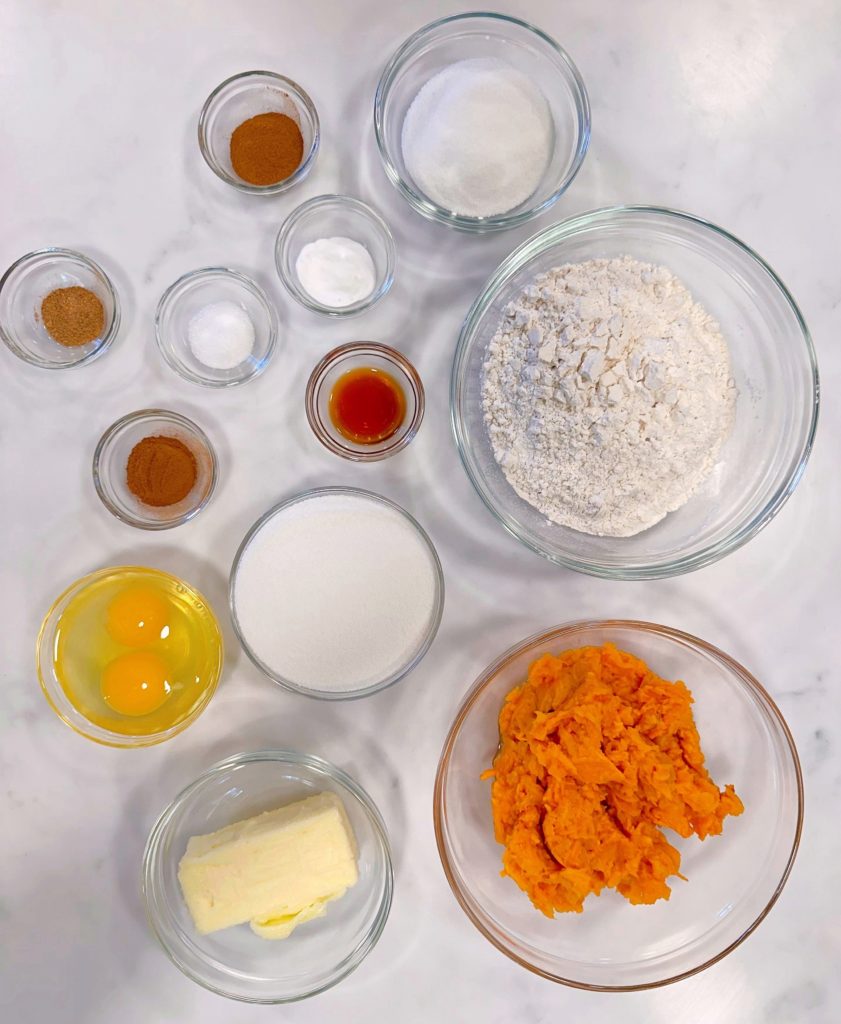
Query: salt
x=336 y=272
x=478 y=137
x=221 y=335
x=336 y=592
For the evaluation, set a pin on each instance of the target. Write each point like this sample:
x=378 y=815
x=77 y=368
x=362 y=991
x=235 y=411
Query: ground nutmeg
x=73 y=316
x=161 y=471
x=267 y=148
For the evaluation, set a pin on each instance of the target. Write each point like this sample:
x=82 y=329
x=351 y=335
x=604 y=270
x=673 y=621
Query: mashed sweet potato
x=598 y=755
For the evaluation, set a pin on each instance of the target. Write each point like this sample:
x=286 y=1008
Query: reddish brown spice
x=161 y=471
x=266 y=149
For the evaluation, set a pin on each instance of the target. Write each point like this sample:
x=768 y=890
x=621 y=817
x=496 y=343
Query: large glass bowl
x=235 y=962
x=482 y=35
x=733 y=879
x=773 y=364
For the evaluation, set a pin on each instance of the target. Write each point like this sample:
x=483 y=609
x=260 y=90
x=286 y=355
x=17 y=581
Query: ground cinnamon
x=73 y=316
x=267 y=149
x=161 y=471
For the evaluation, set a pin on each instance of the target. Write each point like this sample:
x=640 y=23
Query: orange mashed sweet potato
x=597 y=756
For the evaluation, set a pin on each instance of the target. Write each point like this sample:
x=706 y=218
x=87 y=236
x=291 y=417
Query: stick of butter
x=275 y=870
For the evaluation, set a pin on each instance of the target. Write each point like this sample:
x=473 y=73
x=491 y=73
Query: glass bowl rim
x=136 y=417
x=295 y=759
x=70 y=254
x=486 y=678
x=391 y=355
x=426 y=206
x=286 y=232
x=168 y=298
x=432 y=629
x=118 y=740
x=290 y=87
x=540 y=242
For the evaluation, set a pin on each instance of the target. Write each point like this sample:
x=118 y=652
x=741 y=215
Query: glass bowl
x=189 y=294
x=733 y=879
x=333 y=216
x=481 y=35
x=25 y=285
x=235 y=962
x=401 y=670
x=59 y=700
x=111 y=457
x=243 y=96
x=772 y=362
x=350 y=357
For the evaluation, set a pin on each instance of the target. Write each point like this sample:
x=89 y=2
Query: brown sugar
x=73 y=316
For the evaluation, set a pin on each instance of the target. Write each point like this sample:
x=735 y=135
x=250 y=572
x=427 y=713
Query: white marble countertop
x=726 y=110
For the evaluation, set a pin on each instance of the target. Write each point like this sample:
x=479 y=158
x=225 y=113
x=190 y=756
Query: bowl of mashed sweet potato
x=618 y=804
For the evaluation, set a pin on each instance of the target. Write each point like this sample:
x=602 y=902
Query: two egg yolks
x=136 y=683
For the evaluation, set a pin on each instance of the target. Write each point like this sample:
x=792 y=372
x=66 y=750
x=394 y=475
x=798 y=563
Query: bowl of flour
x=482 y=121
x=634 y=393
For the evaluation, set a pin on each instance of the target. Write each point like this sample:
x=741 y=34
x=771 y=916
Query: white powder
x=221 y=335
x=478 y=137
x=607 y=395
x=336 y=592
x=336 y=272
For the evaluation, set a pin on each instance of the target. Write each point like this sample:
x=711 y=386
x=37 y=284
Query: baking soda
x=336 y=272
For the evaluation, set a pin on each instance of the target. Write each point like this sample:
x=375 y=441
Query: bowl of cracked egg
x=129 y=656
x=634 y=393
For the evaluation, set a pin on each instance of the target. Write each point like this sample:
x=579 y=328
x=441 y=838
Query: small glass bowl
x=243 y=96
x=186 y=296
x=235 y=962
x=55 y=693
x=351 y=357
x=401 y=671
x=733 y=879
x=333 y=216
x=481 y=35
x=111 y=457
x=26 y=284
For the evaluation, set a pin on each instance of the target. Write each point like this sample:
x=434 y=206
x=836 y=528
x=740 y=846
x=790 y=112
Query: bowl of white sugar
x=634 y=393
x=336 y=593
x=482 y=121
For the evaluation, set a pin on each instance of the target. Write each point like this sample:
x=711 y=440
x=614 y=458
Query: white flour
x=607 y=395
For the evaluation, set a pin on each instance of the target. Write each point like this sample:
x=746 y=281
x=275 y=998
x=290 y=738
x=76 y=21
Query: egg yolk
x=135 y=683
x=137 y=616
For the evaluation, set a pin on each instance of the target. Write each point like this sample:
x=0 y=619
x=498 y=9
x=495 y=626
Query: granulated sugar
x=336 y=592
x=477 y=138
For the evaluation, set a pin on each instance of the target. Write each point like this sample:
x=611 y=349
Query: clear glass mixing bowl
x=773 y=364
x=733 y=879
